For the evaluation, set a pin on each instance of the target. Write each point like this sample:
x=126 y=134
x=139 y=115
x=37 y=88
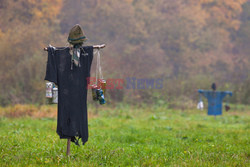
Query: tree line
x=188 y=44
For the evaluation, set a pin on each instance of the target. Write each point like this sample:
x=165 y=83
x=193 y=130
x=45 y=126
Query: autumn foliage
x=189 y=44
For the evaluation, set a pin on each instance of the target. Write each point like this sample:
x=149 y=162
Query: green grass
x=131 y=137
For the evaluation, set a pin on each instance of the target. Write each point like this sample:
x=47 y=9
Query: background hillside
x=189 y=44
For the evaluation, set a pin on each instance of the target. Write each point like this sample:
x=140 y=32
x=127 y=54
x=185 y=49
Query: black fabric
x=72 y=120
x=51 y=71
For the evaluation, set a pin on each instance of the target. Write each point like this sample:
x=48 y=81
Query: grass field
x=126 y=136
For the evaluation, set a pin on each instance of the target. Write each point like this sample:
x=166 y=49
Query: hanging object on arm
x=49 y=87
x=51 y=93
x=55 y=94
x=101 y=82
x=98 y=88
x=94 y=93
x=200 y=105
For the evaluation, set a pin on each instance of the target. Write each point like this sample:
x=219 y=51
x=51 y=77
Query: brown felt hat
x=76 y=35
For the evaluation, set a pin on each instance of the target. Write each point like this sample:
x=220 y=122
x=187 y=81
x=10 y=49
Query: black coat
x=72 y=119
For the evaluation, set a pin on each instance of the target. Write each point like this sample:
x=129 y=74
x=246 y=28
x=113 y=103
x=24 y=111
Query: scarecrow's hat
x=76 y=35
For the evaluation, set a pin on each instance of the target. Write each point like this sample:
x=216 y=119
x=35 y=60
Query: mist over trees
x=189 y=44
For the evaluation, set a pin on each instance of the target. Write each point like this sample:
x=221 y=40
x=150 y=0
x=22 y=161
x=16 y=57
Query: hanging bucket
x=55 y=95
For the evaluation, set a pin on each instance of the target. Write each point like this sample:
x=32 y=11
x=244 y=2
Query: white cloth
x=200 y=105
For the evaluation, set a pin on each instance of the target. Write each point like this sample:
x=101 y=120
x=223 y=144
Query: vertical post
x=68 y=148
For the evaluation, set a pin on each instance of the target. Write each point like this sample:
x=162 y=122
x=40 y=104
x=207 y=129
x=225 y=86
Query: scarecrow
x=215 y=99
x=69 y=68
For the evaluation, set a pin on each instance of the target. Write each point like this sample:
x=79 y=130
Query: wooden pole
x=94 y=46
x=68 y=147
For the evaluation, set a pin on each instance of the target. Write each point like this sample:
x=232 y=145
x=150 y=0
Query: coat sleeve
x=203 y=92
x=89 y=61
x=223 y=94
x=51 y=68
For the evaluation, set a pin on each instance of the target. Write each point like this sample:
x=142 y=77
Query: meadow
x=127 y=136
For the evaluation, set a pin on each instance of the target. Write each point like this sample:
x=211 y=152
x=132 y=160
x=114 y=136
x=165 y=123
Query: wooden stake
x=68 y=147
x=94 y=46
